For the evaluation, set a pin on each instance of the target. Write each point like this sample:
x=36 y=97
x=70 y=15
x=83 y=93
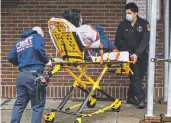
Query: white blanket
x=124 y=56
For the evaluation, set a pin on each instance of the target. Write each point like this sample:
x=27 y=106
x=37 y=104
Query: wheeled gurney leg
x=66 y=98
x=86 y=91
x=84 y=103
x=108 y=96
x=95 y=86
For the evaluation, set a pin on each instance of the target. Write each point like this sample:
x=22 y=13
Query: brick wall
x=29 y=13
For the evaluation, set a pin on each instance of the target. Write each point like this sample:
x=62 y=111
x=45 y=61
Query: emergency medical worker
x=30 y=56
x=133 y=35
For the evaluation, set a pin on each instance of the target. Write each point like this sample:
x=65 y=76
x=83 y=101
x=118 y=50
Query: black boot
x=139 y=103
x=133 y=100
x=142 y=104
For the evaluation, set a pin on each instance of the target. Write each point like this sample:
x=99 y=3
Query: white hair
x=39 y=30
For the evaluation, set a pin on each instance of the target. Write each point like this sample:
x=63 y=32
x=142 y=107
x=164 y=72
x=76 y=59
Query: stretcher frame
x=73 y=56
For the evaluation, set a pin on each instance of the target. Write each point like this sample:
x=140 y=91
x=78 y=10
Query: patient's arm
x=88 y=46
x=59 y=52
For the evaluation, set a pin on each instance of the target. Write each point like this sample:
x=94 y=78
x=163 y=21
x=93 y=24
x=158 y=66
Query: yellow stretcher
x=71 y=49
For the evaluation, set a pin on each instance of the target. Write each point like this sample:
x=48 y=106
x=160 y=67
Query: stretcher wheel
x=91 y=104
x=49 y=118
x=116 y=110
x=78 y=120
x=49 y=121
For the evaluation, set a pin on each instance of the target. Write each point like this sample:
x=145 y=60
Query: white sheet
x=124 y=56
x=89 y=36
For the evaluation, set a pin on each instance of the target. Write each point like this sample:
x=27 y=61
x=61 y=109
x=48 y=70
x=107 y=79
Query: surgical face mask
x=129 y=17
x=80 y=21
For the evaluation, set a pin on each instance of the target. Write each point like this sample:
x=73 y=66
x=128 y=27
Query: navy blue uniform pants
x=26 y=91
x=139 y=69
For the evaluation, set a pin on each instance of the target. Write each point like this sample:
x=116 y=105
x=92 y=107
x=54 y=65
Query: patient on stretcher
x=93 y=37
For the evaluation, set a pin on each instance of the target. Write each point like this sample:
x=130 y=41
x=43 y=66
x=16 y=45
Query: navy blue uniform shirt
x=134 y=39
x=29 y=52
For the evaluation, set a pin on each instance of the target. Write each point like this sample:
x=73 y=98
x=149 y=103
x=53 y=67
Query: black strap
x=65 y=51
x=40 y=87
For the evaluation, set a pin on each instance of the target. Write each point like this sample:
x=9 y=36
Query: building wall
x=29 y=13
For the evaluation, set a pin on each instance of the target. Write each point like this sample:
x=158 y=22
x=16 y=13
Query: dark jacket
x=29 y=52
x=134 y=39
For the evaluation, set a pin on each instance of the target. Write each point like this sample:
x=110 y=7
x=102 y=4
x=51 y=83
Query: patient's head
x=73 y=16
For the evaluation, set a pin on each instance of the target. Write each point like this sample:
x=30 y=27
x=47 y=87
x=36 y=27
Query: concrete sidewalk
x=128 y=113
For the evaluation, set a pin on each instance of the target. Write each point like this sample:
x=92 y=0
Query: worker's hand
x=59 y=52
x=49 y=63
x=89 y=44
x=134 y=58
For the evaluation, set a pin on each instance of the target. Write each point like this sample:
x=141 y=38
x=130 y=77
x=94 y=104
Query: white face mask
x=80 y=21
x=129 y=17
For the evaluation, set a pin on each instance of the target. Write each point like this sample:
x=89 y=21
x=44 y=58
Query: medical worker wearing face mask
x=133 y=35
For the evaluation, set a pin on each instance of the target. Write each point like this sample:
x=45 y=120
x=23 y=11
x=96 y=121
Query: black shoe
x=133 y=100
x=142 y=104
x=139 y=103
